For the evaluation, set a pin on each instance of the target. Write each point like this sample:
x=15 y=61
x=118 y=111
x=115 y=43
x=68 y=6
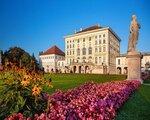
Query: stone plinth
x=134 y=66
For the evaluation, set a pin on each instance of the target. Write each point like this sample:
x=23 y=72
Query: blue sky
x=36 y=25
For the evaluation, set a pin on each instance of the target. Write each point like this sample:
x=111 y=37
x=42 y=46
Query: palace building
x=50 y=58
x=92 y=50
x=121 y=63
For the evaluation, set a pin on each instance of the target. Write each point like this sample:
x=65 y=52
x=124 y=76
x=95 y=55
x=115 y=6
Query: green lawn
x=137 y=107
x=68 y=81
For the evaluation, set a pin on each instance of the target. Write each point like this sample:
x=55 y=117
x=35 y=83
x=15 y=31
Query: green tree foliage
x=22 y=91
x=20 y=58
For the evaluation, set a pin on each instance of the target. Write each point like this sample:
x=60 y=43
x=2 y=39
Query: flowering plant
x=22 y=91
x=90 y=101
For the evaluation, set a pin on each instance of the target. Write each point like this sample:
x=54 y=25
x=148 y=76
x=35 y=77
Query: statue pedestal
x=134 y=65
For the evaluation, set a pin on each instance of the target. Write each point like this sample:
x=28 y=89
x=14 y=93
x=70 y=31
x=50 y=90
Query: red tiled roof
x=53 y=50
x=90 y=28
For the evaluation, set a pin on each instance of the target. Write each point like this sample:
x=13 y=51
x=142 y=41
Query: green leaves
x=17 y=97
x=18 y=57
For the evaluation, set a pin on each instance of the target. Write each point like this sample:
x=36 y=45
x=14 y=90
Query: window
x=67 y=46
x=118 y=61
x=83 y=39
x=100 y=49
x=95 y=37
x=84 y=59
x=95 y=42
x=73 y=52
x=90 y=58
x=78 y=51
x=78 y=40
x=104 y=41
x=84 y=51
x=96 y=60
x=70 y=46
x=90 y=50
x=89 y=38
x=95 y=49
x=103 y=35
x=58 y=63
x=67 y=41
x=70 y=52
x=67 y=53
x=73 y=45
x=99 y=36
x=100 y=60
x=104 y=49
x=78 y=59
x=100 y=41
x=104 y=59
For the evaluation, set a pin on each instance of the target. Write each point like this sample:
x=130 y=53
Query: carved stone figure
x=134 y=33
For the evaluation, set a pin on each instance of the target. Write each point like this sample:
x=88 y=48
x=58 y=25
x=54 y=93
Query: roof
x=95 y=28
x=53 y=50
x=89 y=28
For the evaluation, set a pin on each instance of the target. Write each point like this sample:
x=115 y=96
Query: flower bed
x=90 y=101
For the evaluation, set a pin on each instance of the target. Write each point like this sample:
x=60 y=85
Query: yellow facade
x=99 y=46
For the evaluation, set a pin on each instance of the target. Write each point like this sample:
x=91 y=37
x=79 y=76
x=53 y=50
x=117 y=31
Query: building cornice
x=91 y=31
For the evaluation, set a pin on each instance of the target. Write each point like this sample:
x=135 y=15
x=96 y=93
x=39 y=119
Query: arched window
x=83 y=59
x=90 y=58
x=84 y=51
x=78 y=51
x=90 y=50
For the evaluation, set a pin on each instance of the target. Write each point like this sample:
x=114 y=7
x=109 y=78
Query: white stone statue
x=134 y=33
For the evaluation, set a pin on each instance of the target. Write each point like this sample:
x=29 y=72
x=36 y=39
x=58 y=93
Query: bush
x=22 y=91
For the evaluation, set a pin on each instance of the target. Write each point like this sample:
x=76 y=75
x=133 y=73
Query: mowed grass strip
x=68 y=81
x=137 y=107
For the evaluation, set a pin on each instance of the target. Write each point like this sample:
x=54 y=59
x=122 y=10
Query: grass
x=137 y=107
x=68 y=81
x=147 y=81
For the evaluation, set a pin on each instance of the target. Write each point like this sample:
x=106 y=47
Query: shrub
x=22 y=91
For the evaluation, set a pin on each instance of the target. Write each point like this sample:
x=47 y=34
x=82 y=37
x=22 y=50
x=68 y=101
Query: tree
x=20 y=58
